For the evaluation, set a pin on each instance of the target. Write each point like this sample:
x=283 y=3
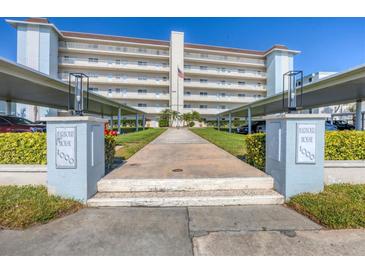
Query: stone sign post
x=75 y=155
x=295 y=152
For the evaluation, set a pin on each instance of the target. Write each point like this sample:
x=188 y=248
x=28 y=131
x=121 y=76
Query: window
x=310 y=79
x=241 y=95
x=187 y=93
x=117 y=90
x=203 y=67
x=187 y=79
x=66 y=58
x=110 y=91
x=93 y=60
x=223 y=69
x=222 y=82
x=203 y=55
x=93 y=89
x=3 y=122
x=203 y=81
x=241 y=83
x=142 y=50
x=222 y=107
x=222 y=94
x=241 y=70
x=164 y=78
x=140 y=105
x=187 y=66
x=187 y=106
x=203 y=106
x=203 y=93
x=142 y=91
x=117 y=62
x=118 y=48
x=93 y=46
x=142 y=63
x=142 y=78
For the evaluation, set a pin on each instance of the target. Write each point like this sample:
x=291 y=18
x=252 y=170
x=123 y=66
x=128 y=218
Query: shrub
x=255 y=150
x=23 y=148
x=191 y=124
x=163 y=123
x=110 y=144
x=345 y=145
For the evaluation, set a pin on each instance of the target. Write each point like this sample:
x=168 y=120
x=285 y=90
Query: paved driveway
x=237 y=230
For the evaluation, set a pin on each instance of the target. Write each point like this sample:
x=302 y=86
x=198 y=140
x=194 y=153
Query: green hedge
x=163 y=123
x=339 y=145
x=31 y=148
x=255 y=150
x=23 y=148
x=110 y=144
x=345 y=145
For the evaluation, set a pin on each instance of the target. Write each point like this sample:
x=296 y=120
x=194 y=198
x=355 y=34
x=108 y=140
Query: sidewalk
x=236 y=230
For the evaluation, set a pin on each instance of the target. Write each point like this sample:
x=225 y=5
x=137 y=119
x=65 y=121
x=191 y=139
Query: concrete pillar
x=295 y=152
x=119 y=119
x=137 y=122
x=230 y=123
x=143 y=121
x=8 y=107
x=219 y=122
x=111 y=122
x=249 y=118
x=358 y=117
x=75 y=155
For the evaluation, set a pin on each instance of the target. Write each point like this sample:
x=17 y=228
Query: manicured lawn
x=230 y=142
x=338 y=206
x=24 y=206
x=133 y=142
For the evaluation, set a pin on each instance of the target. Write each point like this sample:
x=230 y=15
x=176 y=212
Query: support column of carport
x=8 y=107
x=143 y=121
x=230 y=122
x=359 y=123
x=219 y=122
x=119 y=120
x=249 y=118
x=136 y=121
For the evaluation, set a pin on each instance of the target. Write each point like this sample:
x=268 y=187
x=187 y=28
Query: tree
x=195 y=116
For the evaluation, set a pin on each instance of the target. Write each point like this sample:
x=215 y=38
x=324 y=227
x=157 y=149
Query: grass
x=230 y=142
x=24 y=206
x=133 y=142
x=339 y=206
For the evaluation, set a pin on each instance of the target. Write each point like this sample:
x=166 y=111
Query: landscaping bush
x=255 y=150
x=191 y=124
x=110 y=144
x=339 y=145
x=163 y=123
x=345 y=145
x=23 y=148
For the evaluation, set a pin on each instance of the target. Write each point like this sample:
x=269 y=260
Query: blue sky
x=327 y=44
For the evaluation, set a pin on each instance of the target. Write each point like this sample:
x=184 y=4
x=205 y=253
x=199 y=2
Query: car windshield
x=18 y=120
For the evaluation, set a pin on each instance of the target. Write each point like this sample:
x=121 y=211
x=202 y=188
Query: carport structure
x=340 y=88
x=21 y=84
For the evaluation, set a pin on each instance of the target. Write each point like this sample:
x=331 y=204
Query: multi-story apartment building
x=152 y=74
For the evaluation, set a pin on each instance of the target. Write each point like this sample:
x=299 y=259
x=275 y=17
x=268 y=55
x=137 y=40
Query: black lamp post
x=80 y=85
x=293 y=82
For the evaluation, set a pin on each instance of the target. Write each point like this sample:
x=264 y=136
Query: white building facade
x=144 y=73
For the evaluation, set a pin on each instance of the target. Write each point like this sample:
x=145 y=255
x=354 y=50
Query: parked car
x=343 y=125
x=18 y=124
x=329 y=126
x=256 y=127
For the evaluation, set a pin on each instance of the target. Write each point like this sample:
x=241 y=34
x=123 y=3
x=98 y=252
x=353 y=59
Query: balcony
x=220 y=99
x=151 y=110
x=113 y=50
x=106 y=64
x=228 y=73
x=227 y=86
x=123 y=81
x=134 y=95
x=223 y=59
x=203 y=111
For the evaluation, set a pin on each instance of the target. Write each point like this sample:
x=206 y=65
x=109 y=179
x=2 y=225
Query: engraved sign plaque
x=66 y=147
x=306 y=144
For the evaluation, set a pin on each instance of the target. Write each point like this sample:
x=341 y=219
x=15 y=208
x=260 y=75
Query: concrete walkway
x=179 y=153
x=234 y=230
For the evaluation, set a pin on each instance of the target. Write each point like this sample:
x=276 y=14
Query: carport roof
x=25 y=85
x=340 y=88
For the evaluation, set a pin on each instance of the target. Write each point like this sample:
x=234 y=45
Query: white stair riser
x=186 y=201
x=130 y=185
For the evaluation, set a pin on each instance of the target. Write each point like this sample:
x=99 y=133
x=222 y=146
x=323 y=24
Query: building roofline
x=115 y=38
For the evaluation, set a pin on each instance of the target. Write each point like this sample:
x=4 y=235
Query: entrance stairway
x=186 y=192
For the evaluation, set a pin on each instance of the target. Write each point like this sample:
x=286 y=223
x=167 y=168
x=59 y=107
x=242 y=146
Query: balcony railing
x=233 y=72
x=227 y=85
x=118 y=49
x=134 y=95
x=224 y=58
x=228 y=98
x=112 y=63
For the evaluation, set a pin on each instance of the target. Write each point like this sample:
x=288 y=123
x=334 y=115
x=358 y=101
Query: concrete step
x=204 y=184
x=187 y=198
